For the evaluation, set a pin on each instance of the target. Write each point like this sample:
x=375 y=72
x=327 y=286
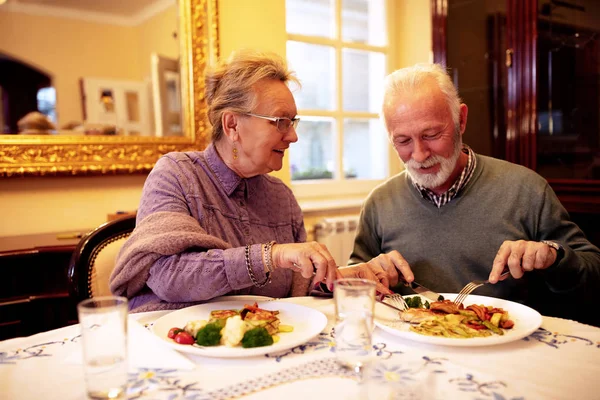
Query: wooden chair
x=94 y=258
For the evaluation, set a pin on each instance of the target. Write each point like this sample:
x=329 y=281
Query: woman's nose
x=291 y=135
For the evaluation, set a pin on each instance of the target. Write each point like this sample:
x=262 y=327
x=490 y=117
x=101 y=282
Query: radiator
x=338 y=235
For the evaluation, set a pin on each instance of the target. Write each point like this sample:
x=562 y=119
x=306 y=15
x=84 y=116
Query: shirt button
x=242 y=203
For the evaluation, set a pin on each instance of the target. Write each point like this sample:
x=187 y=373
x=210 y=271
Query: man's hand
x=522 y=256
x=387 y=266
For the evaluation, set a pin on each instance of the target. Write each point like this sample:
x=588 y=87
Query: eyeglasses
x=283 y=124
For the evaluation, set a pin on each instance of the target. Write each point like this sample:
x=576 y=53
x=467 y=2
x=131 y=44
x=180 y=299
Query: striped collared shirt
x=460 y=183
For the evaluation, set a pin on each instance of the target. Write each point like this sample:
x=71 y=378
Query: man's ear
x=229 y=120
x=464 y=112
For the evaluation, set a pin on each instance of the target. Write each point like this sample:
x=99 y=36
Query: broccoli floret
x=257 y=337
x=210 y=335
x=414 y=302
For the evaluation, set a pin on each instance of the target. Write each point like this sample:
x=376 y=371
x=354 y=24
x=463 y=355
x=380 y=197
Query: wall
x=37 y=205
x=68 y=49
x=155 y=35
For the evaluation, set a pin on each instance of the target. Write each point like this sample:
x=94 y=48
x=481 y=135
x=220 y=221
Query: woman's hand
x=309 y=259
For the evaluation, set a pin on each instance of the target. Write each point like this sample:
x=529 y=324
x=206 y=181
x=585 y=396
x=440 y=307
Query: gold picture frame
x=64 y=154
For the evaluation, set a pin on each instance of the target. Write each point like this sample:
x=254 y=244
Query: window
x=46 y=102
x=339 y=50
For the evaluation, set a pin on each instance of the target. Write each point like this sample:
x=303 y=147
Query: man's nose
x=420 y=151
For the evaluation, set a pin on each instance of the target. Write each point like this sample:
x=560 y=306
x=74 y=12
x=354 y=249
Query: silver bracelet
x=268 y=255
x=255 y=282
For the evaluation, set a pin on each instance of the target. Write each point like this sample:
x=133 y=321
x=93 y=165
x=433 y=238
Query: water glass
x=354 y=306
x=103 y=322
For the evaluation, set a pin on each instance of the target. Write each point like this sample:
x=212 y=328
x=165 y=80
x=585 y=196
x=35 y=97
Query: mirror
x=109 y=107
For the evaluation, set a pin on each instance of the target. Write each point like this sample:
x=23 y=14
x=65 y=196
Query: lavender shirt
x=239 y=211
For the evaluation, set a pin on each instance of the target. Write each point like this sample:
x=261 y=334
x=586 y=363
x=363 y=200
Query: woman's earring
x=235 y=152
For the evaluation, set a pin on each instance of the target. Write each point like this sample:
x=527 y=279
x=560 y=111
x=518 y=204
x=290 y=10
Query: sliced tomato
x=184 y=338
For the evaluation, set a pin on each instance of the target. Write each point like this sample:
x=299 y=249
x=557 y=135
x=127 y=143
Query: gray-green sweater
x=452 y=245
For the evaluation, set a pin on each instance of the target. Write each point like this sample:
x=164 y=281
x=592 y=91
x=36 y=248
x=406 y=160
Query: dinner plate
x=248 y=298
x=526 y=320
x=307 y=323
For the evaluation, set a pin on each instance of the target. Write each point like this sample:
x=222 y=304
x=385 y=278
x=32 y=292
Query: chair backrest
x=94 y=258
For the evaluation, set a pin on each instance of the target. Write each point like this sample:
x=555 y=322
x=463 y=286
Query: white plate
x=307 y=323
x=248 y=298
x=526 y=320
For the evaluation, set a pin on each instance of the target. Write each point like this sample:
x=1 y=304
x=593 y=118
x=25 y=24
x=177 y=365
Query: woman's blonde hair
x=230 y=84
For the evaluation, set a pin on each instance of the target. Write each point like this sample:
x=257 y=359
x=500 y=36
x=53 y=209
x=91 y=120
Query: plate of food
x=232 y=329
x=481 y=321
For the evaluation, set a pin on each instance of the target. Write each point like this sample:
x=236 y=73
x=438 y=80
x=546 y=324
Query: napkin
x=144 y=351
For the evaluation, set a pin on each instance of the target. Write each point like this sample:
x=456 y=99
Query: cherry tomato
x=173 y=332
x=184 y=338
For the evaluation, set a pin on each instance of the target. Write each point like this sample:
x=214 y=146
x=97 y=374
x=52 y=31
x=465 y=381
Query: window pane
x=365 y=149
x=312 y=156
x=317 y=75
x=363 y=74
x=363 y=21
x=310 y=17
x=46 y=102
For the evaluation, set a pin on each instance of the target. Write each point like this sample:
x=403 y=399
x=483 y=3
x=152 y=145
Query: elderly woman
x=212 y=222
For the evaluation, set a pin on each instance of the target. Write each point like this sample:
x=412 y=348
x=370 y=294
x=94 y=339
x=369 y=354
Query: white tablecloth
x=561 y=360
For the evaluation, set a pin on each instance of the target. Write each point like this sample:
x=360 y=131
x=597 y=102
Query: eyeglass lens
x=284 y=124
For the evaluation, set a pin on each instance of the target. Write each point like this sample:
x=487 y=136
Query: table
x=561 y=360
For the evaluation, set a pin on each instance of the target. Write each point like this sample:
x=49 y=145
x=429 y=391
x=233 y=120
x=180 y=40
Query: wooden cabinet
x=529 y=72
x=34 y=293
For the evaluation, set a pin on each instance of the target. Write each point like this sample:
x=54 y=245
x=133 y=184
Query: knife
x=328 y=294
x=421 y=290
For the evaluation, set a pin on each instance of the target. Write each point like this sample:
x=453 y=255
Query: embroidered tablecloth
x=561 y=360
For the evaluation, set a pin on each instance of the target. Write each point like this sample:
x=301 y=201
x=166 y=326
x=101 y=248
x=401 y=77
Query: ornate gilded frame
x=63 y=154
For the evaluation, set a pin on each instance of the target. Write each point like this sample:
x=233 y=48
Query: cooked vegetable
x=184 y=338
x=193 y=327
x=495 y=320
x=286 y=328
x=210 y=335
x=493 y=327
x=233 y=332
x=173 y=332
x=257 y=337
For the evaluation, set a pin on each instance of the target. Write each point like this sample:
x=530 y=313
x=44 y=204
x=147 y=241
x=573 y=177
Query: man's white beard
x=447 y=165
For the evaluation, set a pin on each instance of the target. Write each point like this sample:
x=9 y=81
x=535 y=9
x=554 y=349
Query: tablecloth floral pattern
x=527 y=369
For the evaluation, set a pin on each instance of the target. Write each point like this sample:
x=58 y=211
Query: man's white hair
x=410 y=78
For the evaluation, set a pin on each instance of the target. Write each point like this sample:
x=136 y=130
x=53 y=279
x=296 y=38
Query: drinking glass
x=103 y=322
x=354 y=305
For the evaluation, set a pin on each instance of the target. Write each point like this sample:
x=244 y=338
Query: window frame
x=340 y=187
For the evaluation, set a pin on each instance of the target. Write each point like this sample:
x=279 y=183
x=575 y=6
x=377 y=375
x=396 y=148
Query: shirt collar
x=457 y=186
x=228 y=179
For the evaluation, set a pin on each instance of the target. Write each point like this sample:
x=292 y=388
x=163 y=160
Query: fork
x=469 y=287
x=397 y=300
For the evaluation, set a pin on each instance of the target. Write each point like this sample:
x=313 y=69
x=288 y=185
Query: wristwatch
x=560 y=252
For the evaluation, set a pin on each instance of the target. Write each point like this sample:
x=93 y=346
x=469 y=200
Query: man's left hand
x=522 y=256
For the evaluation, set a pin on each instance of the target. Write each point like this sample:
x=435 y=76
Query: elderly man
x=453 y=216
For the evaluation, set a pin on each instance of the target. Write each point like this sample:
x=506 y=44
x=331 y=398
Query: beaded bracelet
x=249 y=267
x=268 y=255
